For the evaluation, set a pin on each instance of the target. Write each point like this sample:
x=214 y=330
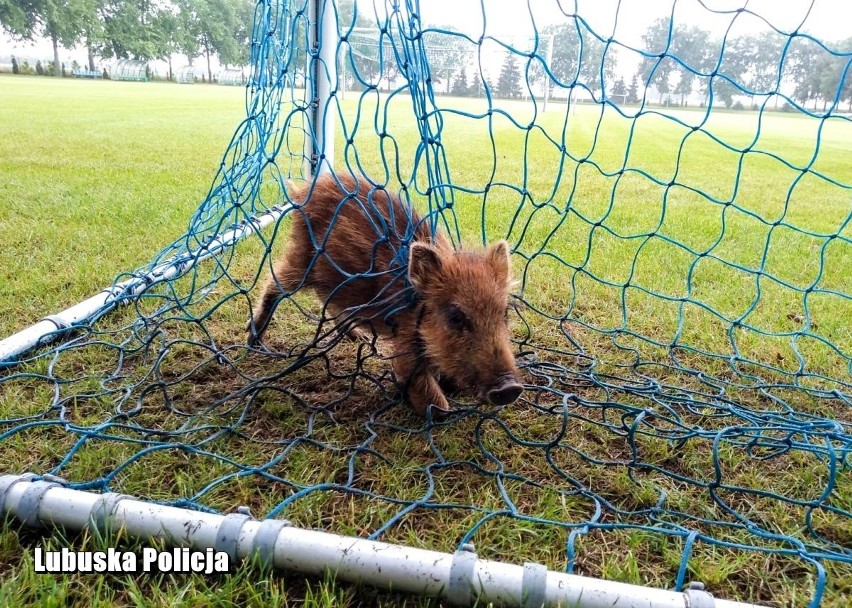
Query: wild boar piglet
x=370 y=258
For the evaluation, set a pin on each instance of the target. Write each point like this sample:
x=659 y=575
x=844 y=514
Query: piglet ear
x=424 y=264
x=498 y=257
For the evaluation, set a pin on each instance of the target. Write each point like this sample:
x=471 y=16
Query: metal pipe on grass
x=460 y=578
x=55 y=326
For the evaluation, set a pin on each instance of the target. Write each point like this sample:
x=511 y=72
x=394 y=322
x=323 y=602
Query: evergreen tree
x=447 y=50
x=619 y=89
x=633 y=90
x=460 y=88
x=476 y=86
x=509 y=82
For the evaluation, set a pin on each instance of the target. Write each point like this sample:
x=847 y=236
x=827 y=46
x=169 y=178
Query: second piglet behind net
x=377 y=266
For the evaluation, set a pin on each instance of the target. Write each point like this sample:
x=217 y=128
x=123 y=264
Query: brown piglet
x=379 y=268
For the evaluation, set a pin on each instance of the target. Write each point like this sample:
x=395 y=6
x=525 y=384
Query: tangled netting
x=682 y=318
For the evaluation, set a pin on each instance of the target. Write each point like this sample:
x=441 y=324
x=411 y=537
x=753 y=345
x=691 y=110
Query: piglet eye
x=456 y=319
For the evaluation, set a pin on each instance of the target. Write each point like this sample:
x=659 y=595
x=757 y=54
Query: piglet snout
x=505 y=391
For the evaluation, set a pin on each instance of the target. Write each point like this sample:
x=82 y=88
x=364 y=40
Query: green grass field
x=98 y=177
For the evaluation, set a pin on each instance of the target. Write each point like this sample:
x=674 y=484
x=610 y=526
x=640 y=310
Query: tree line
x=761 y=64
x=136 y=29
x=681 y=61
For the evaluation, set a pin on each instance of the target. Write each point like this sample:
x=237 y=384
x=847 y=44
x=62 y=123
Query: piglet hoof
x=437 y=413
x=438 y=408
x=253 y=340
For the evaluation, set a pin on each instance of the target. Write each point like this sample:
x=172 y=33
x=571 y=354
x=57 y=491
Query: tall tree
x=565 y=57
x=578 y=56
x=16 y=17
x=188 y=32
x=60 y=21
x=476 y=86
x=243 y=26
x=132 y=30
x=167 y=25
x=633 y=90
x=680 y=51
x=214 y=21
x=737 y=61
x=348 y=16
x=846 y=74
x=846 y=87
x=509 y=82
x=460 y=86
x=657 y=71
x=801 y=65
x=92 y=33
x=835 y=74
x=750 y=65
x=765 y=62
x=619 y=88
x=692 y=47
x=234 y=45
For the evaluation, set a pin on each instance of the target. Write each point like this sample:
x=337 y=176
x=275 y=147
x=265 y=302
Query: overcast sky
x=826 y=19
x=515 y=21
x=830 y=19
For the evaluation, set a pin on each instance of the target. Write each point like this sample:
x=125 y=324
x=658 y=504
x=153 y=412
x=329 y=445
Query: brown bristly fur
x=447 y=320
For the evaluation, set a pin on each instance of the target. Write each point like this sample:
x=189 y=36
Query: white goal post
x=460 y=578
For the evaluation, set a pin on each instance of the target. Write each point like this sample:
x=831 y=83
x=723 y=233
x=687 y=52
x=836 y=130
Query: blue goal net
x=676 y=190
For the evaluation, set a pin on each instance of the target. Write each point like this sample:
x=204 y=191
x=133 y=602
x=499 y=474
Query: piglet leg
x=419 y=383
x=284 y=279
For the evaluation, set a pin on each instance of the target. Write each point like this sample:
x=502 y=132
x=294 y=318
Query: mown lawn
x=632 y=235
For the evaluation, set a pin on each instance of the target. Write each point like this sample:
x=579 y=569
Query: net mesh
x=682 y=319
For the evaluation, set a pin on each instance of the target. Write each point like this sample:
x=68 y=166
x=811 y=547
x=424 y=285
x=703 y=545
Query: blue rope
x=604 y=397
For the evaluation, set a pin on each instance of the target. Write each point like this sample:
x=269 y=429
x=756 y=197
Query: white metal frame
x=322 y=66
x=56 y=326
x=460 y=578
